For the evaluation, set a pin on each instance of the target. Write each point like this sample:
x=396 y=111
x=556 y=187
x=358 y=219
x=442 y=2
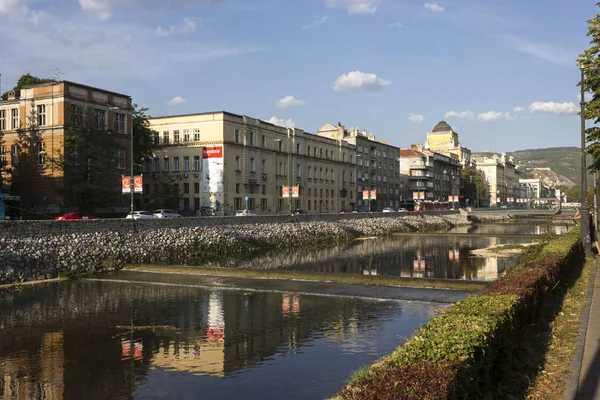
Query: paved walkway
x=584 y=380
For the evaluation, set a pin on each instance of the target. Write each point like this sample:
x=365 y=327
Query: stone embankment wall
x=46 y=249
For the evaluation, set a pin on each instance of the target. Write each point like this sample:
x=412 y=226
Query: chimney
x=12 y=95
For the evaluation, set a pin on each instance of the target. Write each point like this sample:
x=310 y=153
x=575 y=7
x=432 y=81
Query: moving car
x=388 y=209
x=140 y=215
x=165 y=213
x=244 y=213
x=74 y=215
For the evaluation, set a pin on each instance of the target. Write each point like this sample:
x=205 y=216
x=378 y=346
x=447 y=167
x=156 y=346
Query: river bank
x=47 y=256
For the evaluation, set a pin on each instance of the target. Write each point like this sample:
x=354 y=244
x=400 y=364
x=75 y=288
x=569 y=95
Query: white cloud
x=518 y=109
x=177 y=100
x=186 y=27
x=489 y=116
x=460 y=115
x=416 y=118
x=509 y=117
x=554 y=108
x=354 y=6
x=290 y=101
x=316 y=22
x=359 y=80
x=435 y=7
x=396 y=25
x=281 y=122
x=15 y=10
x=551 y=53
x=104 y=9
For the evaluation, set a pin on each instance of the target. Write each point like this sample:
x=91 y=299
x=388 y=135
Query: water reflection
x=417 y=256
x=113 y=340
x=522 y=227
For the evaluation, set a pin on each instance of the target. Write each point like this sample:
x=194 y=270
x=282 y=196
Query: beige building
x=444 y=140
x=51 y=109
x=222 y=162
x=502 y=177
x=378 y=167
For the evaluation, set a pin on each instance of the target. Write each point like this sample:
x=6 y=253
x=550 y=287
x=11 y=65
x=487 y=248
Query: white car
x=244 y=213
x=402 y=209
x=165 y=213
x=140 y=215
x=388 y=209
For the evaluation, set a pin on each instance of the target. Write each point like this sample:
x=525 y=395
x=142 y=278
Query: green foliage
x=27 y=80
x=165 y=194
x=90 y=165
x=142 y=135
x=29 y=140
x=474 y=186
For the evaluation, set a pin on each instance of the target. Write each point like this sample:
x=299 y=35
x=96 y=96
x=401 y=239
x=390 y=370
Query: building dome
x=442 y=126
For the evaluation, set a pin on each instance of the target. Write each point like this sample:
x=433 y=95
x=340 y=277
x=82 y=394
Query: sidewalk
x=584 y=381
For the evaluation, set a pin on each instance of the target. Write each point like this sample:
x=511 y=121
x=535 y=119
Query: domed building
x=444 y=140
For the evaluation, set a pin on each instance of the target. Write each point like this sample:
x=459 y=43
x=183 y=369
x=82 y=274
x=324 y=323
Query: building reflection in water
x=99 y=340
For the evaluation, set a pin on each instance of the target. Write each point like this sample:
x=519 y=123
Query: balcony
x=421 y=165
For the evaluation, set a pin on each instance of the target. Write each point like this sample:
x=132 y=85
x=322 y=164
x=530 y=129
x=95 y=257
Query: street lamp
x=584 y=227
x=131 y=178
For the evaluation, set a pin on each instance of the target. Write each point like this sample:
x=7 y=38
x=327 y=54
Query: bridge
x=534 y=207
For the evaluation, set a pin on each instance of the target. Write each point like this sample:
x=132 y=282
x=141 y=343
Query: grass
x=318 y=277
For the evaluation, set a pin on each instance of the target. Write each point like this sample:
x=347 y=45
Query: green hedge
x=457 y=354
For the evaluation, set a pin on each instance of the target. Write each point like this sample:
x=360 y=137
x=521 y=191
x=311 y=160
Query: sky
x=503 y=74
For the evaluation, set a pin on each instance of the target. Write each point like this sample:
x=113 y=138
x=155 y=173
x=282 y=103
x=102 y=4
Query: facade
x=223 y=162
x=51 y=109
x=432 y=176
x=531 y=188
x=377 y=171
x=444 y=140
x=502 y=177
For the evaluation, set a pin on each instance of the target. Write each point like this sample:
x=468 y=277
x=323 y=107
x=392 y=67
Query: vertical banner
x=422 y=195
x=366 y=195
x=415 y=195
x=125 y=184
x=212 y=164
x=285 y=191
x=373 y=194
x=295 y=191
x=138 y=184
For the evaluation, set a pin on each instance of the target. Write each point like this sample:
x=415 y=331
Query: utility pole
x=584 y=212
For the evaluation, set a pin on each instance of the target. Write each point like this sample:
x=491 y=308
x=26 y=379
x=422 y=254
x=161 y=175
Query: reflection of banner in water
x=290 y=303
x=419 y=265
x=212 y=169
x=127 y=352
x=215 y=332
x=453 y=255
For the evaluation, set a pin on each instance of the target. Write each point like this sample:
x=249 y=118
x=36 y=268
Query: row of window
x=182 y=136
x=14 y=119
x=154 y=165
x=14 y=154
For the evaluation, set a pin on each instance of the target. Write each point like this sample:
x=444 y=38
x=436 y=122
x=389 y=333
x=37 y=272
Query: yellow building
x=51 y=109
x=444 y=140
x=222 y=162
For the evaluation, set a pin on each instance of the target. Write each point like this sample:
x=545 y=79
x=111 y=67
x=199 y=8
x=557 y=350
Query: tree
x=26 y=80
x=474 y=186
x=142 y=135
x=165 y=194
x=3 y=172
x=92 y=160
x=573 y=193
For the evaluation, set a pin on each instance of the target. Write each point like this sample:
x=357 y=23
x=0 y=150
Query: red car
x=74 y=215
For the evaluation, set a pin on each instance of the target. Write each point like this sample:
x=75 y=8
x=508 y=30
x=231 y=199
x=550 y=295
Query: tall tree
x=474 y=186
x=93 y=161
x=165 y=194
x=26 y=80
x=589 y=60
x=142 y=135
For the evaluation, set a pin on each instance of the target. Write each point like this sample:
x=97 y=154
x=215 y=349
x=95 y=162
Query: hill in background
x=553 y=166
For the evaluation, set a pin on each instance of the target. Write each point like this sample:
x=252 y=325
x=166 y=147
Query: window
x=237 y=187
x=237 y=163
x=298 y=171
x=332 y=175
x=2 y=120
x=196 y=187
x=2 y=155
x=41 y=150
x=252 y=137
x=236 y=136
x=14 y=155
x=156 y=137
x=121 y=158
x=166 y=164
x=165 y=137
x=263 y=141
x=263 y=166
x=176 y=136
x=186 y=163
x=14 y=113
x=76 y=115
x=100 y=119
x=186 y=188
x=343 y=176
x=309 y=173
x=175 y=163
x=155 y=164
x=147 y=166
x=196 y=134
x=297 y=148
x=252 y=164
x=186 y=135
x=41 y=115
x=119 y=123
x=280 y=147
x=196 y=163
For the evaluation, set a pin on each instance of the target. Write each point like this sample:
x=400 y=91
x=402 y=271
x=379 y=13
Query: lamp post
x=584 y=212
x=131 y=178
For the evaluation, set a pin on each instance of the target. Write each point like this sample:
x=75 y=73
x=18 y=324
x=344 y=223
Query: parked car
x=298 y=212
x=388 y=209
x=402 y=209
x=165 y=213
x=244 y=213
x=74 y=215
x=140 y=215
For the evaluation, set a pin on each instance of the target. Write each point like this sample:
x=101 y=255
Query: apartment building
x=378 y=167
x=444 y=140
x=222 y=162
x=502 y=177
x=50 y=109
x=432 y=176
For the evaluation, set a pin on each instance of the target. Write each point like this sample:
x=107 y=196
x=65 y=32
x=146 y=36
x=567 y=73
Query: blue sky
x=502 y=73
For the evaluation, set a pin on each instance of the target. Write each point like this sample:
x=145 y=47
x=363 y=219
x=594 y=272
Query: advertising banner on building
x=285 y=191
x=212 y=173
x=295 y=191
x=138 y=184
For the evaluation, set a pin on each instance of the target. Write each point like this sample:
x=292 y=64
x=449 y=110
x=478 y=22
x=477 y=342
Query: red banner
x=138 y=184
x=212 y=152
